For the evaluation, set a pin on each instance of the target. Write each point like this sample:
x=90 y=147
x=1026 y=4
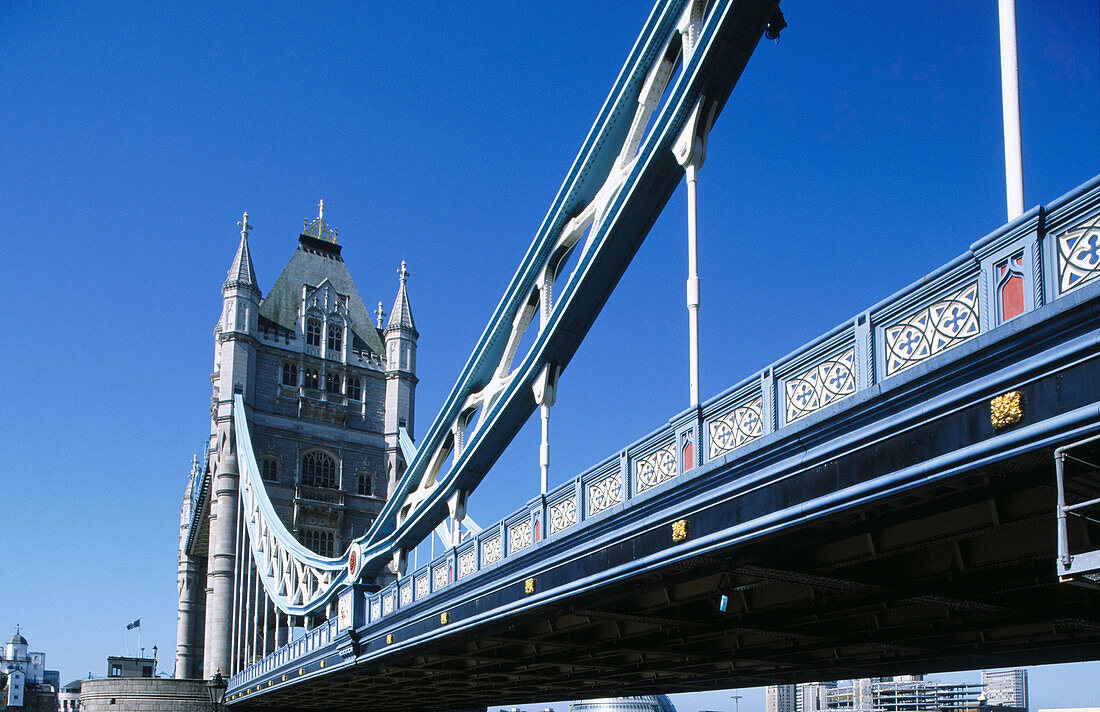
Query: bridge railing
x=1045 y=254
x=1025 y=264
x=309 y=642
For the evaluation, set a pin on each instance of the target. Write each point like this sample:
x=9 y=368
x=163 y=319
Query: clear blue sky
x=861 y=152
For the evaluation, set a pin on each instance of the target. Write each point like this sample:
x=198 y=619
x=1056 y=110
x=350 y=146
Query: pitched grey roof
x=312 y=263
x=240 y=271
x=401 y=315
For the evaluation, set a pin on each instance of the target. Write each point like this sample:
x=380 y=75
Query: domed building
x=25 y=683
x=642 y=703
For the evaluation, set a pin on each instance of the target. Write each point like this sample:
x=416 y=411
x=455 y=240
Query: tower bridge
x=910 y=492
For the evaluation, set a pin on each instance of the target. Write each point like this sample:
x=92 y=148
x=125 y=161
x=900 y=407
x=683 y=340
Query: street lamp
x=736 y=702
x=216 y=689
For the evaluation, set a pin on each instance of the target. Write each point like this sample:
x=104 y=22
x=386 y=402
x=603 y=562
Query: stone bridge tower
x=326 y=391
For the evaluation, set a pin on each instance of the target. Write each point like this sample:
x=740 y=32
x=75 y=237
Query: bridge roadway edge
x=1056 y=369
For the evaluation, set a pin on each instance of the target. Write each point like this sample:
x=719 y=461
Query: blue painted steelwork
x=619 y=183
x=199 y=486
x=617 y=210
x=873 y=412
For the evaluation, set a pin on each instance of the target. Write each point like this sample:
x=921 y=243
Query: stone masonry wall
x=143 y=694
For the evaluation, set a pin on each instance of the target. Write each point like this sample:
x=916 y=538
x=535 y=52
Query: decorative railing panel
x=946 y=323
x=1079 y=255
x=423 y=586
x=563 y=514
x=467 y=562
x=491 y=550
x=655 y=468
x=441 y=575
x=520 y=536
x=734 y=428
x=605 y=492
x=823 y=383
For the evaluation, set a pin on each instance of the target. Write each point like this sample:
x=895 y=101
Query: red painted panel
x=1012 y=297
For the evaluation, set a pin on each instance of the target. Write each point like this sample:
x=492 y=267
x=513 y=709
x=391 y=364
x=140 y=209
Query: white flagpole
x=1010 y=103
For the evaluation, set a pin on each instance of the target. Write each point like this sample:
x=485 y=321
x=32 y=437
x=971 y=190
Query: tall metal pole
x=546 y=392
x=1010 y=102
x=690 y=171
x=544 y=450
x=690 y=150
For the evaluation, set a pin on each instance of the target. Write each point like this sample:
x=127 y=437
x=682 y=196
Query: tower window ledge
x=319 y=495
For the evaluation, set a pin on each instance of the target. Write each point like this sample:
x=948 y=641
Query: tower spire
x=241 y=273
x=401 y=315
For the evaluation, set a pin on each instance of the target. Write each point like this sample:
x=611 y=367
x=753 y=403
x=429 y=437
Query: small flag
x=135 y=624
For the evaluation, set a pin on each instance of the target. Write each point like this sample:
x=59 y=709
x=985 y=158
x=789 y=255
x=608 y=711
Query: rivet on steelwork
x=444 y=617
x=529 y=585
x=679 y=530
x=1006 y=410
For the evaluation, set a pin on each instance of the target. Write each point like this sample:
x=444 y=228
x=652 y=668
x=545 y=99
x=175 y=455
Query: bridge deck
x=892 y=529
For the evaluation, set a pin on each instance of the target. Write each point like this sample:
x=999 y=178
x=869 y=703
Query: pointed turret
x=401 y=316
x=240 y=294
x=241 y=274
x=401 y=337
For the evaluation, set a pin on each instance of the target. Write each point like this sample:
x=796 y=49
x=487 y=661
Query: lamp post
x=216 y=689
x=736 y=702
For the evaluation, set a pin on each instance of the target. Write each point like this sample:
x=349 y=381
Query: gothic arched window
x=318 y=470
x=313 y=332
x=269 y=470
x=290 y=374
x=355 y=388
x=332 y=382
x=311 y=379
x=317 y=541
x=335 y=338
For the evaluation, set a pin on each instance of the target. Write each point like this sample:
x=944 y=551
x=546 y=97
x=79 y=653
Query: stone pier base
x=144 y=694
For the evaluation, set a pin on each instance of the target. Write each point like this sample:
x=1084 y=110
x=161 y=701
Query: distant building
x=813 y=696
x=68 y=697
x=643 y=703
x=779 y=698
x=130 y=667
x=1005 y=687
x=25 y=683
x=906 y=693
